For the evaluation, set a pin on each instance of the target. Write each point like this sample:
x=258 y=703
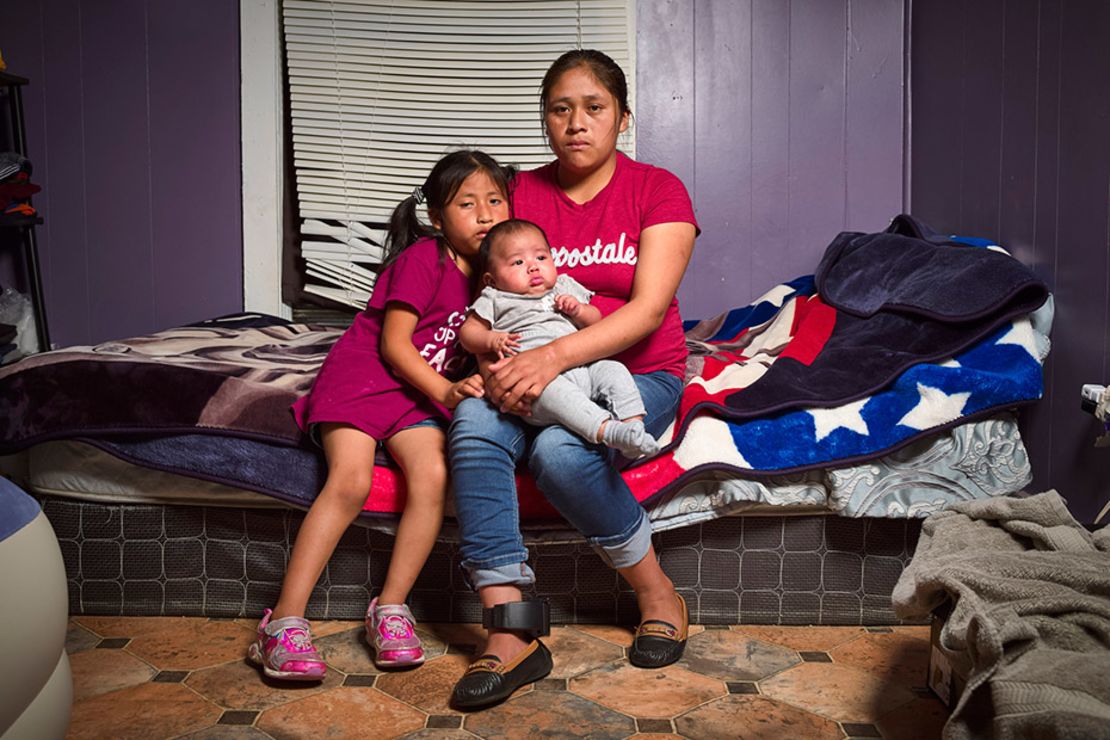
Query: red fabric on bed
x=387 y=491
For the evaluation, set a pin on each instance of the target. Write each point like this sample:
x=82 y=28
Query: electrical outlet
x=1090 y=396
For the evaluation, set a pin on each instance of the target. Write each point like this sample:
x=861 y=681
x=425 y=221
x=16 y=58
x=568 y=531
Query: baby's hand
x=471 y=387
x=567 y=305
x=503 y=344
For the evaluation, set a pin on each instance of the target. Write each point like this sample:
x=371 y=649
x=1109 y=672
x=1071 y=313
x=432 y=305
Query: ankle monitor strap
x=532 y=617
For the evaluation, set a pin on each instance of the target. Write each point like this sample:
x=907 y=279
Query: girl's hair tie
x=418 y=195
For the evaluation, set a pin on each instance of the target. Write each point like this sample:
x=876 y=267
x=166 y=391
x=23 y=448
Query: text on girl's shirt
x=445 y=338
x=613 y=253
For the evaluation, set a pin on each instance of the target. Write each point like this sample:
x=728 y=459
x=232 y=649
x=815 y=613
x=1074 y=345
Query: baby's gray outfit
x=571 y=398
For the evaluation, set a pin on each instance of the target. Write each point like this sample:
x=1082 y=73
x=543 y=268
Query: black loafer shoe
x=488 y=680
x=659 y=643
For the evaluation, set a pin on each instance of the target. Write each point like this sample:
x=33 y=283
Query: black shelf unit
x=13 y=137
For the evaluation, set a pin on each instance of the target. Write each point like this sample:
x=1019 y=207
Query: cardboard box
x=947 y=670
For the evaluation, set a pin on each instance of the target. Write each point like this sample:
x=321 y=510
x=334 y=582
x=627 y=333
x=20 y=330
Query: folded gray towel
x=1031 y=608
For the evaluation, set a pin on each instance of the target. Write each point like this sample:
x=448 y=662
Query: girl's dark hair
x=601 y=66
x=405 y=228
x=504 y=230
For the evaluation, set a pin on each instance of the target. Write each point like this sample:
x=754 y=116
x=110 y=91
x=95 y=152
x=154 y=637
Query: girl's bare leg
x=421 y=454
x=350 y=455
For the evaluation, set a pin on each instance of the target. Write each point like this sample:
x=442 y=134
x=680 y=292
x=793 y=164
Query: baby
x=526 y=304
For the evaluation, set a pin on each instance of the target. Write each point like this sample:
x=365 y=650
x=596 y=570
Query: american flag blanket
x=899 y=334
x=894 y=338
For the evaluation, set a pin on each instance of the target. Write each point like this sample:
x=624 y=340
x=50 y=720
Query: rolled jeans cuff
x=628 y=548
x=514 y=574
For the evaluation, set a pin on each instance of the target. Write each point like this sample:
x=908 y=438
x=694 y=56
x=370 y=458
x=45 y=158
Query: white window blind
x=379 y=91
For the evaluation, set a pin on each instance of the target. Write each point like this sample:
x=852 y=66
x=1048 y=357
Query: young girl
x=391 y=379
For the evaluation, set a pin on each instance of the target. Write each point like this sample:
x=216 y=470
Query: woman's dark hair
x=601 y=66
x=504 y=230
x=445 y=179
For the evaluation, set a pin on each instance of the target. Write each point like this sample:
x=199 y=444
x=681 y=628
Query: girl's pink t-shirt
x=355 y=386
x=598 y=243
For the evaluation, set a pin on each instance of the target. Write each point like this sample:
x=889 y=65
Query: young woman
x=391 y=379
x=625 y=231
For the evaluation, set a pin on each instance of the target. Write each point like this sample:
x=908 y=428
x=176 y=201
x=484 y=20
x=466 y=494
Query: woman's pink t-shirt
x=598 y=243
x=355 y=386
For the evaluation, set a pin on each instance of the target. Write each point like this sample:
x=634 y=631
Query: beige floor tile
x=733 y=656
x=618 y=635
x=98 y=672
x=646 y=693
x=239 y=685
x=189 y=644
x=141 y=626
x=838 y=692
x=575 y=652
x=801 y=638
x=343 y=712
x=348 y=651
x=892 y=655
x=151 y=710
x=427 y=687
x=753 y=717
x=920 y=631
x=541 y=713
x=226 y=732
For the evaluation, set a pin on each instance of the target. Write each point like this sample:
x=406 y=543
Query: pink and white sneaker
x=284 y=650
x=391 y=629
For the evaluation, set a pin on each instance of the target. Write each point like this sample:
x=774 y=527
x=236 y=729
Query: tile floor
x=171 y=677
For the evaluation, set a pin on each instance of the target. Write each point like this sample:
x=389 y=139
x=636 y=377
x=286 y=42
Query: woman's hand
x=471 y=387
x=515 y=382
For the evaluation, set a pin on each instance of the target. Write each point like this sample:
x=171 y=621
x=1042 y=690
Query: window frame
x=264 y=138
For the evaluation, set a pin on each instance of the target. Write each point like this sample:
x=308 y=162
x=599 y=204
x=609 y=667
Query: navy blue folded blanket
x=900 y=298
x=862 y=274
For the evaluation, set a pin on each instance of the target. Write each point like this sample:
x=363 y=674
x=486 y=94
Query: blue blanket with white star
x=863 y=358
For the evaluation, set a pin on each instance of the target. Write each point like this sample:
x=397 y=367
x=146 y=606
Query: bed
x=818 y=426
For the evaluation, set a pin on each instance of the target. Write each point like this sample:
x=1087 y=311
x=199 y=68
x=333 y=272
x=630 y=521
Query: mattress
x=971 y=461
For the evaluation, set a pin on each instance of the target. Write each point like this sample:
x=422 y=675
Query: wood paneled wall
x=783 y=118
x=1011 y=141
x=133 y=129
x=785 y=121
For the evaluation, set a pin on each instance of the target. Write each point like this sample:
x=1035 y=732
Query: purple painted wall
x=1011 y=140
x=133 y=128
x=784 y=119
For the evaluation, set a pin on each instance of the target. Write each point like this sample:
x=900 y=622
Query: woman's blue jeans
x=576 y=477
